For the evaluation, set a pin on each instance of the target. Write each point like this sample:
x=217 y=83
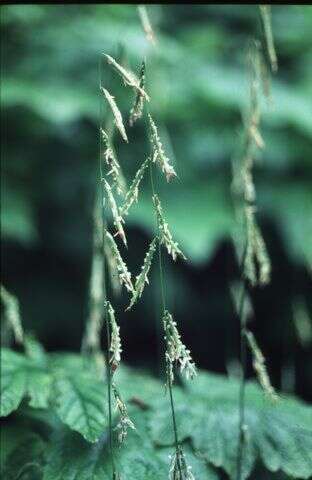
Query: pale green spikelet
x=12 y=314
x=176 y=351
x=136 y=111
x=256 y=250
x=117 y=218
x=128 y=77
x=260 y=367
x=123 y=273
x=179 y=470
x=164 y=232
x=115 y=340
x=142 y=278
x=124 y=420
x=158 y=152
x=114 y=168
x=146 y=24
x=133 y=192
x=265 y=11
x=116 y=113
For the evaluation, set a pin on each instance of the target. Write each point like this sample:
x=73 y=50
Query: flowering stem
x=163 y=298
x=106 y=317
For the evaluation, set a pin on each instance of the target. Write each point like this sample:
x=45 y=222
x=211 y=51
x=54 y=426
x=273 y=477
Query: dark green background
x=198 y=84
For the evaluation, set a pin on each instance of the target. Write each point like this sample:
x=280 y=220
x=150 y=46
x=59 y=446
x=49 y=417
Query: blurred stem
x=243 y=365
x=163 y=299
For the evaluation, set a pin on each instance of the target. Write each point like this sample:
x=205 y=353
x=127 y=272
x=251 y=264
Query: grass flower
x=133 y=192
x=176 y=351
x=136 y=111
x=142 y=278
x=164 y=232
x=123 y=273
x=117 y=218
x=158 y=152
x=116 y=113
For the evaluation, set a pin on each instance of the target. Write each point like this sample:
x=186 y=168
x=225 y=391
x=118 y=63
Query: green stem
x=163 y=298
x=106 y=317
x=243 y=362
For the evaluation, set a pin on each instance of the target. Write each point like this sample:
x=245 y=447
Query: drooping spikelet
x=146 y=24
x=133 y=192
x=128 y=77
x=117 y=218
x=256 y=250
x=176 y=351
x=179 y=470
x=137 y=109
x=142 y=278
x=116 y=112
x=158 y=152
x=260 y=367
x=124 y=420
x=164 y=232
x=12 y=314
x=265 y=11
x=115 y=340
x=123 y=273
x=113 y=165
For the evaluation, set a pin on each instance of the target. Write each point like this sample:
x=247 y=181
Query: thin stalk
x=163 y=299
x=108 y=369
x=243 y=364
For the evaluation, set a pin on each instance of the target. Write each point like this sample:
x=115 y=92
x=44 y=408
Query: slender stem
x=163 y=298
x=108 y=369
x=243 y=362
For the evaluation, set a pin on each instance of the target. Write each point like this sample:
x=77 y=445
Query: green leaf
x=26 y=461
x=82 y=404
x=207 y=413
x=22 y=376
x=73 y=458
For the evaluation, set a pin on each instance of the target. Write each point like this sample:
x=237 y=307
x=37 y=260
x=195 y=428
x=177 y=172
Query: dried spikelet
x=113 y=165
x=158 y=152
x=146 y=24
x=128 y=77
x=259 y=366
x=176 y=351
x=116 y=112
x=118 y=220
x=256 y=250
x=137 y=109
x=123 y=273
x=265 y=11
x=165 y=234
x=142 y=278
x=179 y=470
x=12 y=314
x=124 y=421
x=115 y=341
x=133 y=192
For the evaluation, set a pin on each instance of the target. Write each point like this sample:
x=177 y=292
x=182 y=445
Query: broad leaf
x=82 y=404
x=207 y=413
x=22 y=376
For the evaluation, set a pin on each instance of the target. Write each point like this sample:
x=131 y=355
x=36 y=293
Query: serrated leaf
x=22 y=376
x=82 y=404
x=207 y=413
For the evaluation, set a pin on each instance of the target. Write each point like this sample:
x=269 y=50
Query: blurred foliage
x=198 y=83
